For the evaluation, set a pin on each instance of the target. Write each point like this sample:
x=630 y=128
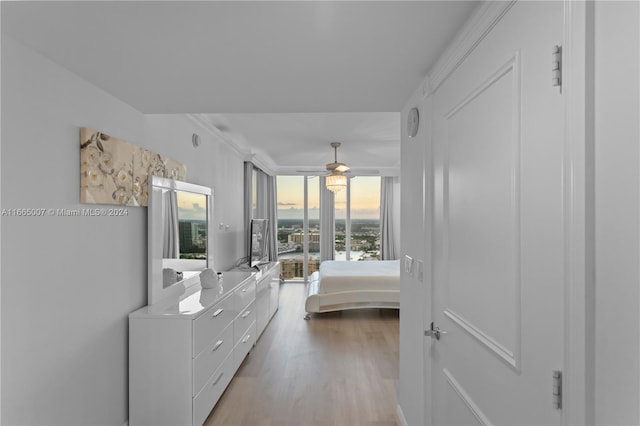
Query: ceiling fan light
x=341 y=167
x=336 y=182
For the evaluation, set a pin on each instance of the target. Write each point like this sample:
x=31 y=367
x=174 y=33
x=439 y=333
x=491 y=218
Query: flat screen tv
x=258 y=246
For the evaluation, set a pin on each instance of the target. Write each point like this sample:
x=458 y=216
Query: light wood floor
x=338 y=368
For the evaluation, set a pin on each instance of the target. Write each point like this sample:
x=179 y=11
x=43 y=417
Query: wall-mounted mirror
x=180 y=240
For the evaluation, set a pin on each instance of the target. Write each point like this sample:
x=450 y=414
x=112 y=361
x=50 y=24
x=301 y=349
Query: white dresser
x=267 y=294
x=184 y=352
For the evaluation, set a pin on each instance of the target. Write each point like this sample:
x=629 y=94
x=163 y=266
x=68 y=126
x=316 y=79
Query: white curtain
x=327 y=222
x=266 y=206
x=248 y=206
x=272 y=215
x=170 y=240
x=387 y=245
x=262 y=202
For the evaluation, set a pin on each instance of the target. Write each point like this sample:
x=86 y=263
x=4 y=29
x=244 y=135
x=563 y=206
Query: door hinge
x=556 y=66
x=557 y=389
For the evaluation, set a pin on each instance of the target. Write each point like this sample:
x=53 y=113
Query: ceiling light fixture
x=336 y=181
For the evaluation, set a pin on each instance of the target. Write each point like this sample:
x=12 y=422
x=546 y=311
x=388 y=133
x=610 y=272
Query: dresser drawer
x=204 y=402
x=244 y=295
x=263 y=285
x=211 y=358
x=262 y=311
x=211 y=324
x=243 y=321
x=244 y=345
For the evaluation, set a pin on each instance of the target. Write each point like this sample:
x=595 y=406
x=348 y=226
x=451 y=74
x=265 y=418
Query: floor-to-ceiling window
x=365 y=218
x=298 y=226
x=341 y=209
x=357 y=223
x=313 y=204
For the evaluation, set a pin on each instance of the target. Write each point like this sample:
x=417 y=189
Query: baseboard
x=400 y=414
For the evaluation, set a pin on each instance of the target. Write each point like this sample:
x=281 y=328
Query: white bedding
x=341 y=285
x=339 y=276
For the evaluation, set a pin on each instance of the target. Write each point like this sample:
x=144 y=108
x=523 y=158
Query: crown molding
x=202 y=121
x=426 y=87
x=260 y=160
x=472 y=33
x=389 y=171
x=263 y=162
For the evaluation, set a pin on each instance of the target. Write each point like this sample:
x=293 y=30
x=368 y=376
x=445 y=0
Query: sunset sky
x=365 y=198
x=191 y=206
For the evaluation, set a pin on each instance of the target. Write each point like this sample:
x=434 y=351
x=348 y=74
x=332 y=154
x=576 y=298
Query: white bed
x=341 y=285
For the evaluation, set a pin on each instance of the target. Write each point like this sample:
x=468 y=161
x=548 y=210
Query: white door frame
x=579 y=286
x=427 y=226
x=579 y=168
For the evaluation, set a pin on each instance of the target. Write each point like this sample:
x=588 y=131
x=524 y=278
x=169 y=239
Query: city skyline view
x=365 y=198
x=364 y=236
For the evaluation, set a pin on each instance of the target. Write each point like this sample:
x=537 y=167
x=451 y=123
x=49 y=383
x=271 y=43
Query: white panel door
x=498 y=228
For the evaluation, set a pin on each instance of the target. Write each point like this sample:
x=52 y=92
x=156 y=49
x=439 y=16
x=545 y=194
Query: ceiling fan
x=336 y=179
x=335 y=172
x=336 y=168
x=330 y=168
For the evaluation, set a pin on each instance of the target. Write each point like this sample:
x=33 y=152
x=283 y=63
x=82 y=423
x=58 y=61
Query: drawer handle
x=215 y=382
x=218 y=312
x=246 y=338
x=217 y=345
x=246 y=314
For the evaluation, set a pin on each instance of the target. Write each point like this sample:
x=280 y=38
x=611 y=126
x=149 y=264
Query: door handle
x=434 y=332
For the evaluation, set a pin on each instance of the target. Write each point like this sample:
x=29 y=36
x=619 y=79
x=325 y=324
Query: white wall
x=68 y=283
x=411 y=382
x=212 y=164
x=617 y=157
x=0 y=227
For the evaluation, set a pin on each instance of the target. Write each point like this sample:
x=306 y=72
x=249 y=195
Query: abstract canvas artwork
x=113 y=171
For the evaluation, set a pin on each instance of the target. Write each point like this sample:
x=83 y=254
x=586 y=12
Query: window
x=365 y=218
x=298 y=222
x=357 y=223
x=341 y=208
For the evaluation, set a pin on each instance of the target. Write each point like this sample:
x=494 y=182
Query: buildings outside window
x=357 y=223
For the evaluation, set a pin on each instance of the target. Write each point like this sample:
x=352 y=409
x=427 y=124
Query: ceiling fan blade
x=315 y=171
x=368 y=171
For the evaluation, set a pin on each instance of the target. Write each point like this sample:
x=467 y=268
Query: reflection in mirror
x=180 y=235
x=258 y=246
x=185 y=234
x=192 y=225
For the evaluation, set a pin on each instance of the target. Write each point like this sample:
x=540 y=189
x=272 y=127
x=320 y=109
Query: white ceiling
x=285 y=78
x=300 y=142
